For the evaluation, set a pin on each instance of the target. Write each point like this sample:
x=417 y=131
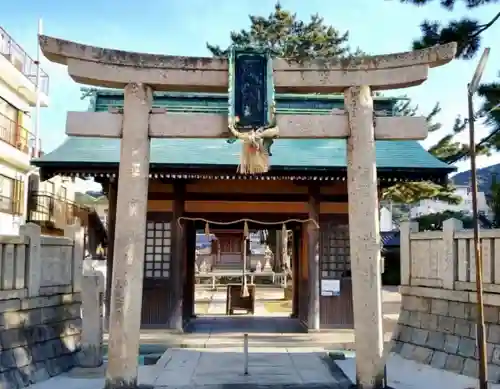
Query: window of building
x=9 y=118
x=11 y=195
x=18 y=198
x=6 y=192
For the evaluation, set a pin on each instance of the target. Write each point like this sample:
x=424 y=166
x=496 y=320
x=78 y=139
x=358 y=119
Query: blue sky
x=182 y=27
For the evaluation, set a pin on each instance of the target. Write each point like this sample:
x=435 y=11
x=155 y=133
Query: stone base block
x=89 y=356
x=38 y=340
x=442 y=334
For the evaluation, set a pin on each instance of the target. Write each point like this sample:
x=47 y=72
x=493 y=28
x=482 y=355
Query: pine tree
x=287 y=37
x=491 y=112
x=466 y=31
x=446 y=147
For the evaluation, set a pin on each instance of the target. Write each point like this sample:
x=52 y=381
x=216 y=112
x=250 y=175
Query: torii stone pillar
x=356 y=78
x=130 y=239
x=364 y=238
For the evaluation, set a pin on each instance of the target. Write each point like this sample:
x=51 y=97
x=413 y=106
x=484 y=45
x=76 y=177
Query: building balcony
x=19 y=70
x=17 y=136
x=52 y=212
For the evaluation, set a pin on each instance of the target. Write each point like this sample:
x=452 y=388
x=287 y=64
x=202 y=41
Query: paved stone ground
x=216 y=301
x=223 y=368
x=210 y=355
x=274 y=366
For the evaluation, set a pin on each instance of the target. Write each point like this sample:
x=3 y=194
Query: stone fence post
x=405 y=230
x=32 y=233
x=76 y=233
x=448 y=264
x=91 y=354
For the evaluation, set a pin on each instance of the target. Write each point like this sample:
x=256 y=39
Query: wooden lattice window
x=335 y=252
x=158 y=253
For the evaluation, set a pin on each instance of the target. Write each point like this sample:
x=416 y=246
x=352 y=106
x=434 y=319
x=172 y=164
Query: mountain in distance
x=485 y=177
x=90 y=198
x=94 y=194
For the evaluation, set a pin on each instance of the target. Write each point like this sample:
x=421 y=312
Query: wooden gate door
x=335 y=264
x=157 y=300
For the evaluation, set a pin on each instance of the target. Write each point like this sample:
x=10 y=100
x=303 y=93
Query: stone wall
x=39 y=338
x=40 y=299
x=437 y=327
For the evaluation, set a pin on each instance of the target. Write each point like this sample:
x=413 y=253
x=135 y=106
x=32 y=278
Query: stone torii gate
x=140 y=74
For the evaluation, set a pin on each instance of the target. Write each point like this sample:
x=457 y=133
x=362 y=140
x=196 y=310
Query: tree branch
x=484 y=27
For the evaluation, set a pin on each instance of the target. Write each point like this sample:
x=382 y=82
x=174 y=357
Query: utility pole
x=480 y=332
x=36 y=148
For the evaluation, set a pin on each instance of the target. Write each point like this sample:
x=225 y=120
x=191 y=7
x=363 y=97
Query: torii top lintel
x=116 y=68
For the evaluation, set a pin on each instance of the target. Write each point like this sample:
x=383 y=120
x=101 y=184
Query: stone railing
x=446 y=259
x=40 y=301
x=14 y=280
x=35 y=265
x=437 y=323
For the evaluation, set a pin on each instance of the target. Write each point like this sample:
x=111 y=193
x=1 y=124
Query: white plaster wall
x=386 y=223
x=9 y=224
x=8 y=93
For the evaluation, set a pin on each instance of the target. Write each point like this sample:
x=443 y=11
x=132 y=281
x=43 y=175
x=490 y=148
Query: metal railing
x=22 y=61
x=16 y=135
x=50 y=209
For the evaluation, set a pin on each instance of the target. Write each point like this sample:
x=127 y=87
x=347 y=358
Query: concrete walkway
x=222 y=368
x=266 y=367
x=210 y=354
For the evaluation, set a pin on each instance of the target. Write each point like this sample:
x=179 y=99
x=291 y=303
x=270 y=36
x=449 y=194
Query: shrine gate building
x=197 y=178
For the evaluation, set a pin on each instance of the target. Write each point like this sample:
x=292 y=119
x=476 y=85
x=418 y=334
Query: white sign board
x=330 y=287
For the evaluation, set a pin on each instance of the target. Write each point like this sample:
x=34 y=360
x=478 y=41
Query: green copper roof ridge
x=306 y=96
x=301 y=154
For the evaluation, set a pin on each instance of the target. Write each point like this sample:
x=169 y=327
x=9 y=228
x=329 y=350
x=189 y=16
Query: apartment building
x=18 y=97
x=425 y=207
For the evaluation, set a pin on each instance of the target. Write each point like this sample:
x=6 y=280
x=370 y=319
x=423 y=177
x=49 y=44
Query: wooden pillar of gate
x=313 y=260
x=178 y=260
x=296 y=242
x=189 y=281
